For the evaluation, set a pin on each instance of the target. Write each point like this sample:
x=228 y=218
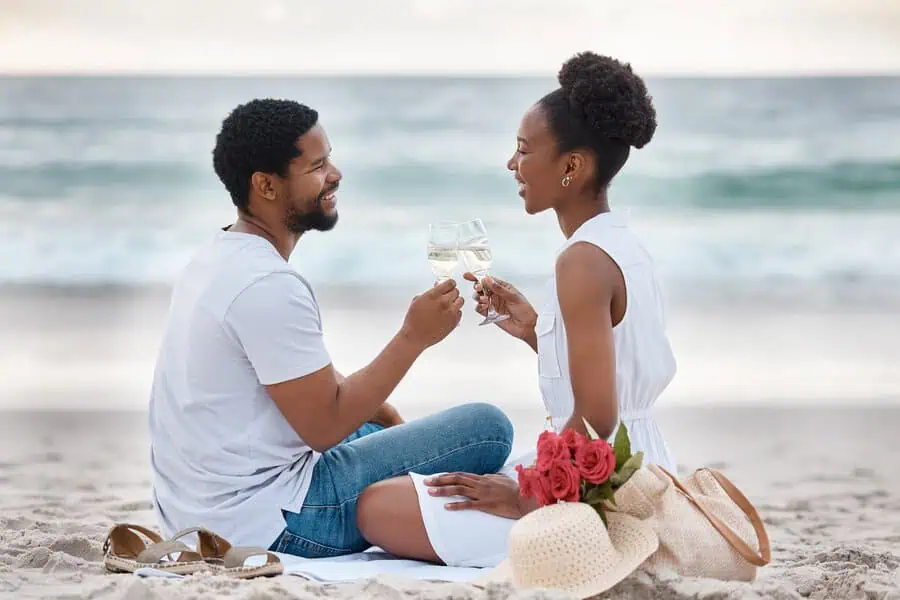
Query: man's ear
x=263 y=184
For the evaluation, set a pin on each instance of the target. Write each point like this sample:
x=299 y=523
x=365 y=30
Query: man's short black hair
x=260 y=135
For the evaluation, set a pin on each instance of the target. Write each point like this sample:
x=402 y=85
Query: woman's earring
x=566 y=181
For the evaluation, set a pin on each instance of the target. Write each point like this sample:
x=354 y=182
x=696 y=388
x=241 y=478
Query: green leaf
x=606 y=488
x=598 y=493
x=592 y=496
x=628 y=469
x=592 y=433
x=622 y=446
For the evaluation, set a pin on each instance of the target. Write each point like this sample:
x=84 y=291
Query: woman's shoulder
x=620 y=246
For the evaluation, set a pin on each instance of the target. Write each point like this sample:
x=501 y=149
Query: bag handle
x=765 y=549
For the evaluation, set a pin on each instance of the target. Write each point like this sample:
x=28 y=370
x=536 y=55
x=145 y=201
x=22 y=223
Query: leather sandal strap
x=123 y=541
x=154 y=553
x=211 y=546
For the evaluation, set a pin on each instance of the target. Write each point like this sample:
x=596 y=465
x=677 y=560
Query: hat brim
x=634 y=539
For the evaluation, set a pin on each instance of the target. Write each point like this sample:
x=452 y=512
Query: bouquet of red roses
x=573 y=468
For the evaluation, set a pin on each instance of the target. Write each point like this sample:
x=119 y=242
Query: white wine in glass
x=443 y=252
x=476 y=252
x=477 y=257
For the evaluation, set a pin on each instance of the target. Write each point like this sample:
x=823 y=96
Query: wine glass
x=476 y=252
x=443 y=251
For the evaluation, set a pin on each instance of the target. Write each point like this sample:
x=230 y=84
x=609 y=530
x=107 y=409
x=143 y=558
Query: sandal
x=125 y=552
x=228 y=559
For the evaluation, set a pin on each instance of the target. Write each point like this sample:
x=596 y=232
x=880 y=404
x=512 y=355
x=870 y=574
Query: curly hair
x=260 y=135
x=602 y=105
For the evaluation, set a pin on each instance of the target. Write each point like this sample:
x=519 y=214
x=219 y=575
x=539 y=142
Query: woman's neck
x=579 y=211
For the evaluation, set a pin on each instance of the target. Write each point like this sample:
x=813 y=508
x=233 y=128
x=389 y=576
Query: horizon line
x=461 y=74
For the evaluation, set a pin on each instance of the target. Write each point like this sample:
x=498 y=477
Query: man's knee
x=492 y=421
x=492 y=425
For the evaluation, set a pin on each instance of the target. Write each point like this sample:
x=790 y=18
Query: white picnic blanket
x=353 y=567
x=370 y=564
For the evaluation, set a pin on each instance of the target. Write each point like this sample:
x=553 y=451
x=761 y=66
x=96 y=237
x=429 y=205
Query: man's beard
x=317 y=220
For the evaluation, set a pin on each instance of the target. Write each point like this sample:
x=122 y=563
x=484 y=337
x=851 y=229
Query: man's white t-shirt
x=222 y=454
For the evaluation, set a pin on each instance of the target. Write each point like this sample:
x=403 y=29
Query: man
x=254 y=434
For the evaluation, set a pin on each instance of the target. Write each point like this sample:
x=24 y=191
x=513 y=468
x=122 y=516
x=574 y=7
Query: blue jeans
x=475 y=438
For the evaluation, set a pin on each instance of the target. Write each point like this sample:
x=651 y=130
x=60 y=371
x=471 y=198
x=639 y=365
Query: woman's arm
x=587 y=280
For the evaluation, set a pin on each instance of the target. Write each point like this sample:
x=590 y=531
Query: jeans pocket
x=291 y=543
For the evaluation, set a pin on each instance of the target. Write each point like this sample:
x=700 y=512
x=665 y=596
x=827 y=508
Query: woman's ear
x=577 y=166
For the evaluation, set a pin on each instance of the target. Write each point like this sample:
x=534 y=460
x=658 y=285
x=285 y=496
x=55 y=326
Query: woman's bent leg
x=400 y=516
x=388 y=516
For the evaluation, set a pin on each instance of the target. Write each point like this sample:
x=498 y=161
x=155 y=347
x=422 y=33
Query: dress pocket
x=548 y=360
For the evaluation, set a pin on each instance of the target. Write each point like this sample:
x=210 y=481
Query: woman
x=603 y=354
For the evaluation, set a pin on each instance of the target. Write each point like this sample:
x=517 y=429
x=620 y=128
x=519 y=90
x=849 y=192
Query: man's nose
x=335 y=175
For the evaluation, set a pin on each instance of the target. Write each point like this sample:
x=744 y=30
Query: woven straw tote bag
x=706 y=526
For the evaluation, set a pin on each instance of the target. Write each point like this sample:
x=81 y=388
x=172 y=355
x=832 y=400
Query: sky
x=679 y=37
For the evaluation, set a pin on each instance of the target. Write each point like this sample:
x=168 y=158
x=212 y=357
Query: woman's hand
x=507 y=300
x=493 y=494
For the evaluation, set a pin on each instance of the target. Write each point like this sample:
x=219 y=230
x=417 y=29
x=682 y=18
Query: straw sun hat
x=566 y=546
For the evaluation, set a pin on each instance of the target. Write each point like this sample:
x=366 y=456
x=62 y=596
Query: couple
x=256 y=436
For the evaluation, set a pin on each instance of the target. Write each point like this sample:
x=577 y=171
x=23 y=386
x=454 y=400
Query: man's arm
x=276 y=321
x=385 y=415
x=586 y=280
x=324 y=408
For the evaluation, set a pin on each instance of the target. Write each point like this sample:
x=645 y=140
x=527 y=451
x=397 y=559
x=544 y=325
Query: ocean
x=748 y=184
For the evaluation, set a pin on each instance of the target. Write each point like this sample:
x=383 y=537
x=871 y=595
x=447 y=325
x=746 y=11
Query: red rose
x=596 y=461
x=565 y=482
x=573 y=440
x=551 y=448
x=534 y=484
x=527 y=483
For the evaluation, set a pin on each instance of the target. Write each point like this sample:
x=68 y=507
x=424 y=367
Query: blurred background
x=770 y=195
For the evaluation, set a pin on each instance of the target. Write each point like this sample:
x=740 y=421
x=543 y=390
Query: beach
x=770 y=206
x=824 y=481
x=817 y=459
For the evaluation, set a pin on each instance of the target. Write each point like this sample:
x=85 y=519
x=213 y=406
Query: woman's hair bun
x=609 y=98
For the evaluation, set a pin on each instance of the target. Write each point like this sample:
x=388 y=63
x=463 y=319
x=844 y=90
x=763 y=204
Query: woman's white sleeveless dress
x=645 y=366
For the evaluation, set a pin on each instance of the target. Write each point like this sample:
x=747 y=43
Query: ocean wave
x=54 y=180
x=873 y=185
x=844 y=186
x=841 y=185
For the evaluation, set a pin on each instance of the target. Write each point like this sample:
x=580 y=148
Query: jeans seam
x=411 y=467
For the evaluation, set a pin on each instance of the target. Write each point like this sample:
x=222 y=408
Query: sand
x=825 y=482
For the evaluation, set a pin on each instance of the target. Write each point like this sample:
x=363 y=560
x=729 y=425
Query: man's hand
x=433 y=315
x=387 y=416
x=493 y=494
